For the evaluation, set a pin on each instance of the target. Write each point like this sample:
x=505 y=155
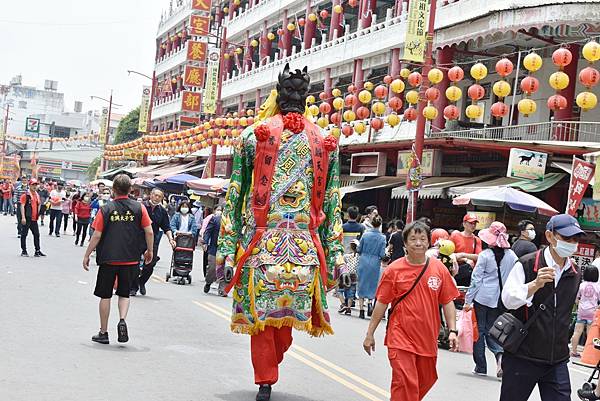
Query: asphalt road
x=180 y=345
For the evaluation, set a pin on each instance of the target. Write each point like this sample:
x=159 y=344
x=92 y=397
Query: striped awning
x=436 y=187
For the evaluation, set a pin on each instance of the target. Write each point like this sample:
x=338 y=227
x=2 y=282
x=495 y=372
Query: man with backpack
x=30 y=212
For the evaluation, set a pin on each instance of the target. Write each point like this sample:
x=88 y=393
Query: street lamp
x=152 y=90
x=129 y=72
x=110 y=105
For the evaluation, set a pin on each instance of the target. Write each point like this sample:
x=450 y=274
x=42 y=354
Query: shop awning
x=567 y=168
x=168 y=169
x=550 y=179
x=379 y=182
x=208 y=184
x=111 y=173
x=436 y=187
x=348 y=180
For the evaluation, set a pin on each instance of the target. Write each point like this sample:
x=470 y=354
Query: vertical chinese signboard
x=144 y=110
x=212 y=83
x=199 y=26
x=581 y=175
x=416 y=31
x=196 y=51
x=584 y=255
x=190 y=101
x=194 y=76
x=103 y=125
x=201 y=5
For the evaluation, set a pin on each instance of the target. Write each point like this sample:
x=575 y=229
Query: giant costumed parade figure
x=280 y=242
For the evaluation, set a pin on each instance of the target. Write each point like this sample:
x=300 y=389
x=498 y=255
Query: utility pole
x=5 y=128
x=51 y=133
x=420 y=129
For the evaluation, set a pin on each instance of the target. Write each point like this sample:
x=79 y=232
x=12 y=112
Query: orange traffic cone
x=591 y=355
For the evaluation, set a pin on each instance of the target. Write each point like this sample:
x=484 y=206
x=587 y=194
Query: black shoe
x=342 y=309
x=37 y=254
x=264 y=392
x=122 y=332
x=361 y=314
x=348 y=311
x=142 y=288
x=206 y=288
x=101 y=338
x=42 y=223
x=25 y=254
x=81 y=244
x=57 y=235
x=369 y=309
x=77 y=243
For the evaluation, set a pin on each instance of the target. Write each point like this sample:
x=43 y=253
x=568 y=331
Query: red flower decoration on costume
x=262 y=132
x=293 y=122
x=330 y=143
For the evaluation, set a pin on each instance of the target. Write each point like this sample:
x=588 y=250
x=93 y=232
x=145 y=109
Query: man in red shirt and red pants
x=122 y=233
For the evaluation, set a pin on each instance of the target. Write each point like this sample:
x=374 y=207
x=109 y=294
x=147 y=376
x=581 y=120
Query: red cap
x=33 y=181
x=471 y=218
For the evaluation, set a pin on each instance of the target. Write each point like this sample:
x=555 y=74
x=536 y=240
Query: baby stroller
x=182 y=259
x=444 y=333
x=588 y=387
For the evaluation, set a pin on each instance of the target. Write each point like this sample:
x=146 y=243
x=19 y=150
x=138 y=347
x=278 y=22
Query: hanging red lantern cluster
x=453 y=93
x=559 y=80
x=589 y=76
x=504 y=67
x=530 y=84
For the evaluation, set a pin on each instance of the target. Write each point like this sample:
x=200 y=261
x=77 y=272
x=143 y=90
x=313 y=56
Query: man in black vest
x=122 y=233
x=547 y=280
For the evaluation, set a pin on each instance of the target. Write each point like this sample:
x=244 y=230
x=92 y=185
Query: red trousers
x=412 y=375
x=267 y=350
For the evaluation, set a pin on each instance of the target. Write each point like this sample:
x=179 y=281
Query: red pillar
x=265 y=45
x=358 y=77
x=443 y=57
x=327 y=85
x=395 y=63
x=248 y=52
x=566 y=114
x=367 y=7
x=336 y=19
x=309 y=28
x=287 y=35
x=231 y=9
x=241 y=105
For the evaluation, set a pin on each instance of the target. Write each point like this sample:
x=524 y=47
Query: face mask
x=531 y=234
x=184 y=210
x=86 y=199
x=565 y=249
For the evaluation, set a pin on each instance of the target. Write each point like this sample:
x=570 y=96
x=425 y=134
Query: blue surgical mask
x=565 y=249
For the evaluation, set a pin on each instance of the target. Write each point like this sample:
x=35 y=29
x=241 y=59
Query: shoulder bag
x=391 y=310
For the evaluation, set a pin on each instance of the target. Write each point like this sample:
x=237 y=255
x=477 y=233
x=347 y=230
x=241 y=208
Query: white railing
x=171 y=20
x=171 y=60
x=167 y=106
x=570 y=131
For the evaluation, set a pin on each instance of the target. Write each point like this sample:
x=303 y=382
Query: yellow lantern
x=291 y=27
x=310 y=99
x=271 y=36
x=453 y=93
x=226 y=56
x=473 y=111
x=336 y=92
x=591 y=51
x=236 y=2
x=207 y=125
x=501 y=89
x=312 y=17
x=336 y=131
x=243 y=122
x=349 y=116
x=393 y=120
x=430 y=112
x=412 y=97
x=323 y=122
x=364 y=96
x=338 y=9
x=397 y=86
x=479 y=71
x=586 y=100
x=254 y=43
x=435 y=76
x=338 y=103
x=527 y=107
x=532 y=62
x=238 y=50
x=368 y=85
x=226 y=10
x=314 y=110
x=559 y=80
x=360 y=128
x=378 y=108
x=404 y=73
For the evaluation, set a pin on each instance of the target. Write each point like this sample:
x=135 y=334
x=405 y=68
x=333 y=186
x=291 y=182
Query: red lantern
x=350 y=101
x=395 y=103
x=336 y=118
x=432 y=94
x=530 y=84
x=325 y=108
x=504 y=67
x=410 y=114
x=499 y=109
x=352 y=3
x=557 y=102
x=415 y=79
x=388 y=79
x=381 y=92
x=589 y=77
x=562 y=57
x=451 y=112
x=347 y=130
x=250 y=120
x=301 y=21
x=476 y=91
x=351 y=88
x=456 y=74
x=324 y=14
x=362 y=112
x=377 y=124
x=322 y=95
x=280 y=31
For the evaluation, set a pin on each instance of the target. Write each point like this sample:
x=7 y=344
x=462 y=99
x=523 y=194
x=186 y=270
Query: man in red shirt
x=467 y=249
x=122 y=233
x=415 y=286
x=30 y=211
x=7 y=190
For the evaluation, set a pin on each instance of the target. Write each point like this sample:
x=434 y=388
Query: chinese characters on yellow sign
x=144 y=110
x=190 y=101
x=212 y=83
x=416 y=31
x=103 y=125
x=201 y=5
x=194 y=76
x=196 y=51
x=199 y=26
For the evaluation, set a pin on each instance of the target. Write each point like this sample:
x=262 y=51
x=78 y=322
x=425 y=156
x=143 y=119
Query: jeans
x=147 y=269
x=65 y=220
x=33 y=226
x=82 y=227
x=486 y=317
x=55 y=216
x=8 y=207
x=19 y=226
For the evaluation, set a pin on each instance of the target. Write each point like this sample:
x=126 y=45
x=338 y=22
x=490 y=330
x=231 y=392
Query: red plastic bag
x=467 y=331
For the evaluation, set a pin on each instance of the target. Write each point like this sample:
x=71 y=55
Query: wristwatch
x=453 y=331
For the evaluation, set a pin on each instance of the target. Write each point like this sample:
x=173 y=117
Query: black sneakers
x=142 y=288
x=24 y=253
x=101 y=338
x=37 y=254
x=264 y=392
x=206 y=288
x=122 y=332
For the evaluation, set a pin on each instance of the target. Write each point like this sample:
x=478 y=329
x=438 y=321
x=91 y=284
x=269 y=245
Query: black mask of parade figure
x=292 y=90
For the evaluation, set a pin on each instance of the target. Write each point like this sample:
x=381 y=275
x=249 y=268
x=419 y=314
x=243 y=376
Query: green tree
x=93 y=168
x=128 y=127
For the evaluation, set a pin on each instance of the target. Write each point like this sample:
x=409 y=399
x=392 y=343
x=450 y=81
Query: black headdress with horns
x=292 y=90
